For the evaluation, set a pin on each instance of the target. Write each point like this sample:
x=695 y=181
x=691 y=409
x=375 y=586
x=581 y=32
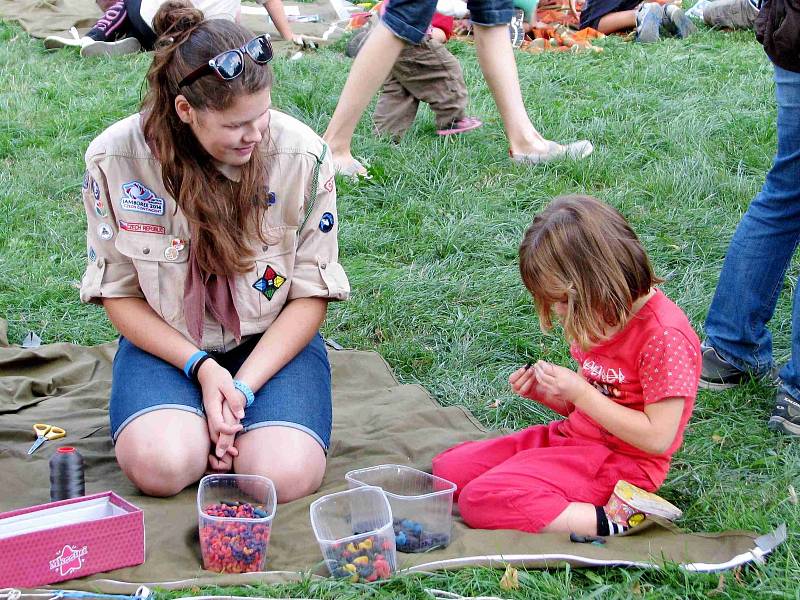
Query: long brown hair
x=223 y=215
x=583 y=251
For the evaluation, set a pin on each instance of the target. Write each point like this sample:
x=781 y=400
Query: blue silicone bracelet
x=187 y=369
x=245 y=389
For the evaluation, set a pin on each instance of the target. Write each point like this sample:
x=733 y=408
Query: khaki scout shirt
x=138 y=239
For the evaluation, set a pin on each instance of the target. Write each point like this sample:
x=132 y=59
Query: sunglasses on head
x=230 y=64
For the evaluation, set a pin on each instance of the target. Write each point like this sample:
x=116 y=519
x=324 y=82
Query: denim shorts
x=297 y=396
x=410 y=19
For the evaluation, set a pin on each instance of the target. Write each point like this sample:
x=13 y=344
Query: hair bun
x=176 y=18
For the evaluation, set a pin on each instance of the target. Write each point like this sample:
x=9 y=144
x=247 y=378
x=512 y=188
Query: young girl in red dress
x=626 y=407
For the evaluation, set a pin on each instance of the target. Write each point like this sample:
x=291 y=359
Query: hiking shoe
x=629 y=506
x=516 y=29
x=648 y=22
x=786 y=415
x=675 y=22
x=127 y=45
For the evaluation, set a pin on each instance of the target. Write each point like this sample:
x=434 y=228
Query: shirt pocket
x=262 y=293
x=161 y=268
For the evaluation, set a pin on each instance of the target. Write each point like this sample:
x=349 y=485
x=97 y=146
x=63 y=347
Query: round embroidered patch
x=104 y=231
x=326 y=222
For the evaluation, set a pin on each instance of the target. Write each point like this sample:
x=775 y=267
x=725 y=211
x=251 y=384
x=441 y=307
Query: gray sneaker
x=718 y=374
x=786 y=415
x=648 y=22
x=127 y=45
x=675 y=22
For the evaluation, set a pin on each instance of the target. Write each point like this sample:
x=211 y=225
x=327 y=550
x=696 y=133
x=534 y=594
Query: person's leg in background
x=396 y=109
x=434 y=76
x=499 y=67
x=108 y=36
x=738 y=342
x=404 y=21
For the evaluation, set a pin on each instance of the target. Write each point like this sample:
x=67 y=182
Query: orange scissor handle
x=50 y=432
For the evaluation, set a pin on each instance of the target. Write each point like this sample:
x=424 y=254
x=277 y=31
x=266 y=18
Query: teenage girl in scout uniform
x=212 y=246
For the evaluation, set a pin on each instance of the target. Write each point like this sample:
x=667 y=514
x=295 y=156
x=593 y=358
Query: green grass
x=684 y=133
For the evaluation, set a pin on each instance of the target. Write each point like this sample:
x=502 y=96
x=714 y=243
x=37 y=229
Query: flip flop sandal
x=460 y=126
x=574 y=150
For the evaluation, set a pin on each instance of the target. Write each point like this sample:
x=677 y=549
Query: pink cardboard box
x=69 y=539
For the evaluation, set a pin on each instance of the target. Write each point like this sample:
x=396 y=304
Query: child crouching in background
x=625 y=409
x=428 y=73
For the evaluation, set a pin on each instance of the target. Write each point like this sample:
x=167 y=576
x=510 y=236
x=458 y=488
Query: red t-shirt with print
x=654 y=357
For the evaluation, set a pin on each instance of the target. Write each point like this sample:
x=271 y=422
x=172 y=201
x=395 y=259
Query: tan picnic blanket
x=376 y=420
x=41 y=18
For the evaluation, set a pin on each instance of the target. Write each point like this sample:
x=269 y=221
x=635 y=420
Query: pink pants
x=525 y=480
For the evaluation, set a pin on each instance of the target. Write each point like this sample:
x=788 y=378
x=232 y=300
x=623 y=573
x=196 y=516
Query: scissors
x=45 y=432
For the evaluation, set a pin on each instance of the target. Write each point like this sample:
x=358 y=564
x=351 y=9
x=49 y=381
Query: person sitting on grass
x=648 y=19
x=127 y=25
x=212 y=247
x=428 y=73
x=625 y=409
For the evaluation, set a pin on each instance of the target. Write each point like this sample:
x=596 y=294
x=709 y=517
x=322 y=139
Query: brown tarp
x=376 y=421
x=41 y=18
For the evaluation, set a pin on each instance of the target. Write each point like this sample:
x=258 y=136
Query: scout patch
x=95 y=191
x=269 y=283
x=100 y=208
x=329 y=185
x=141 y=227
x=271 y=199
x=326 y=222
x=138 y=198
x=86 y=180
x=92 y=254
x=104 y=231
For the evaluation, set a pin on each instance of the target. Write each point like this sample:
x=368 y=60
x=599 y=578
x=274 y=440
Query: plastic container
x=354 y=531
x=235 y=515
x=422 y=504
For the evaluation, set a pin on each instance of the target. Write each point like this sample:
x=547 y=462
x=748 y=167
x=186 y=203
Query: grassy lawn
x=684 y=133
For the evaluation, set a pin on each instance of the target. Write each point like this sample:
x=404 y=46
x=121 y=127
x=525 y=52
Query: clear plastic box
x=422 y=504
x=354 y=531
x=235 y=515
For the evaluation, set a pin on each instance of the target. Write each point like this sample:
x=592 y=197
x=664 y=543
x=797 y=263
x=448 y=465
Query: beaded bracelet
x=245 y=389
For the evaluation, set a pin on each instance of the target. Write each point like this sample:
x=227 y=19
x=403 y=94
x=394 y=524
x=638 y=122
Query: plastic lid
x=66 y=450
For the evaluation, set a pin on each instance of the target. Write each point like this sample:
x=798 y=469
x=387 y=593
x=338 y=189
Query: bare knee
x=161 y=468
x=294 y=476
x=292 y=459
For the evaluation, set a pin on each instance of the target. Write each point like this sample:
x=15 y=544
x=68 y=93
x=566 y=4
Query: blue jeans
x=410 y=19
x=760 y=253
x=297 y=396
